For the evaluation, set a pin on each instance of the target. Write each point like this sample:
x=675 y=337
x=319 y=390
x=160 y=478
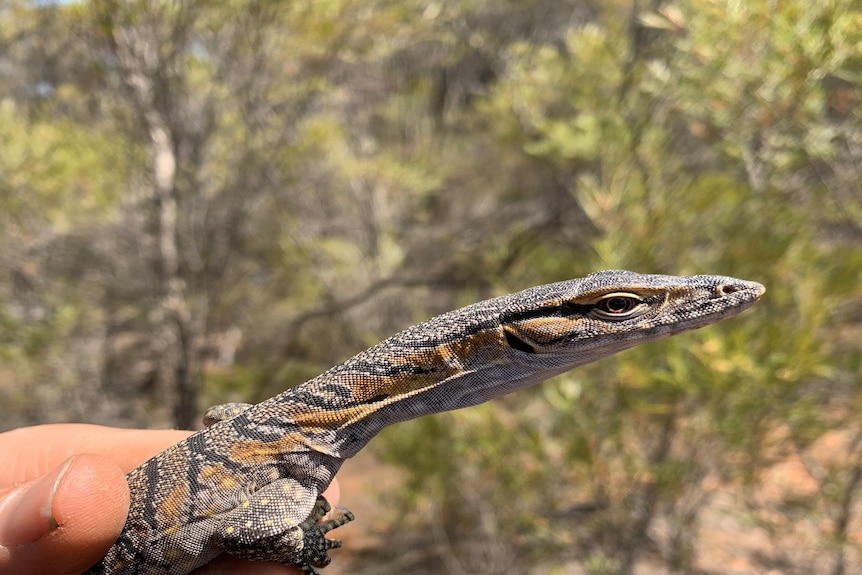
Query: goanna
x=249 y=484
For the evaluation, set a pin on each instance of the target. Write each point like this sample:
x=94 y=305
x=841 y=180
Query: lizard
x=249 y=483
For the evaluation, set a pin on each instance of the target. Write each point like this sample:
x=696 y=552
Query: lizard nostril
x=726 y=289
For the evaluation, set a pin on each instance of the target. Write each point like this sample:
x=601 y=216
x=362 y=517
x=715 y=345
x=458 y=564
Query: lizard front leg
x=302 y=544
x=281 y=523
x=223 y=411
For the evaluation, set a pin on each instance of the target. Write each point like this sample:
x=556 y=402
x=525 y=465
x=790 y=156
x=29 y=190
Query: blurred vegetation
x=194 y=195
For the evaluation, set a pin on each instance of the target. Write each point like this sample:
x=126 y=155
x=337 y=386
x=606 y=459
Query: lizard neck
x=340 y=411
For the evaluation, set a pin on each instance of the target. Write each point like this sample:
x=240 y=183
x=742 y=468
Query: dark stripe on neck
x=562 y=310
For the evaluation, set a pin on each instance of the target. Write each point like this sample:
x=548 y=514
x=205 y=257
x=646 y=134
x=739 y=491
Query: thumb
x=65 y=521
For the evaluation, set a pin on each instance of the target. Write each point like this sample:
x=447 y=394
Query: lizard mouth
x=722 y=300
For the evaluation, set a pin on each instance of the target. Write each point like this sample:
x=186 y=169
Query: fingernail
x=29 y=515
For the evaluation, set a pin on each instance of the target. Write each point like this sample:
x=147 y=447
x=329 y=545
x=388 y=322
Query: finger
x=53 y=517
x=332 y=493
x=227 y=565
x=30 y=452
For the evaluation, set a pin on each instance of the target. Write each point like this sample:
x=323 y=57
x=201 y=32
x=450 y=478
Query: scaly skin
x=250 y=483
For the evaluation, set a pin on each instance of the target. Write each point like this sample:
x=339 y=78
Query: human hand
x=64 y=497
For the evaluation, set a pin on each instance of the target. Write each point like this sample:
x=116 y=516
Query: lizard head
x=579 y=321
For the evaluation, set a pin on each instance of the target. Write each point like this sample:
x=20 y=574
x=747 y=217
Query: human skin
x=64 y=497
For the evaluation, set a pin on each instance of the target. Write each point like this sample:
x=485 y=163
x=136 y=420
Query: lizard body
x=249 y=484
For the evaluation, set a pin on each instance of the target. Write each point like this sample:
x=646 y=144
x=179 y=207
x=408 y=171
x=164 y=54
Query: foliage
x=193 y=196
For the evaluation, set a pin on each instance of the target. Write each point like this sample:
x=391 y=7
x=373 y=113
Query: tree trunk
x=136 y=50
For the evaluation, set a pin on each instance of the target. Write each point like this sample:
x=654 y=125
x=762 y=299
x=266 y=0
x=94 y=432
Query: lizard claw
x=315 y=551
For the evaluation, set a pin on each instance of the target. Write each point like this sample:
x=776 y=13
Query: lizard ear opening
x=517 y=343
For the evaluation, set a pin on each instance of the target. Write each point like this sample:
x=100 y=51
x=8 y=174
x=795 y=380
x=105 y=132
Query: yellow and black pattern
x=250 y=483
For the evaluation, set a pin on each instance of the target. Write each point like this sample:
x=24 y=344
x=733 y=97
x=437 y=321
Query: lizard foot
x=315 y=550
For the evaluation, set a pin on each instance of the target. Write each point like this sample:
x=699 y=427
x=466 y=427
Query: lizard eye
x=618 y=305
